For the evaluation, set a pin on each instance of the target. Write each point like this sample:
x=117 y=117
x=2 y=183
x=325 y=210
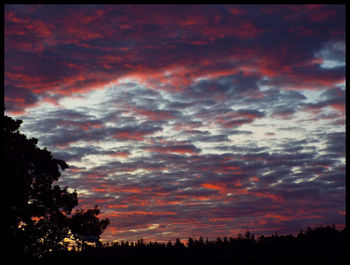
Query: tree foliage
x=39 y=212
x=86 y=224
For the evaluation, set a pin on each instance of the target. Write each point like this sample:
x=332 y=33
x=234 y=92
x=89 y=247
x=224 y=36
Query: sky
x=187 y=120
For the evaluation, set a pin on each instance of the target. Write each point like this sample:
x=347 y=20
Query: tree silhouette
x=39 y=212
x=86 y=226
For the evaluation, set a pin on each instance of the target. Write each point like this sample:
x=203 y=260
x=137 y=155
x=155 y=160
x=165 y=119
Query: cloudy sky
x=186 y=121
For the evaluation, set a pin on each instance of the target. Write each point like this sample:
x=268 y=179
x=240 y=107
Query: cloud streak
x=187 y=120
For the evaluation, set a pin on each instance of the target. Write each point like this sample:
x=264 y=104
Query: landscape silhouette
x=324 y=243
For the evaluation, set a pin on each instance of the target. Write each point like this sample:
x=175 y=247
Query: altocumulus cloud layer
x=187 y=120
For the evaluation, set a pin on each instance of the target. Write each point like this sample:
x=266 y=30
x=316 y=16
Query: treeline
x=320 y=244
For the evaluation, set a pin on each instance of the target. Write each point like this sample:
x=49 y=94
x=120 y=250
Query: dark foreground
x=319 y=244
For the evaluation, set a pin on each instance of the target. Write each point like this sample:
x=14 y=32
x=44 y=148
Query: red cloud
x=86 y=29
x=241 y=29
x=339 y=107
x=84 y=125
x=116 y=189
x=237 y=11
x=138 y=136
x=154 y=115
x=177 y=148
x=212 y=186
x=323 y=15
x=271 y=196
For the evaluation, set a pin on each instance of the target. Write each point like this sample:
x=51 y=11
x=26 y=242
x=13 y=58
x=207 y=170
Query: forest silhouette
x=40 y=217
x=323 y=243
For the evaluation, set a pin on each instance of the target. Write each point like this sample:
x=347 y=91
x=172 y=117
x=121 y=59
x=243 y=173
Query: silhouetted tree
x=85 y=225
x=39 y=212
x=191 y=242
x=169 y=244
x=37 y=209
x=178 y=244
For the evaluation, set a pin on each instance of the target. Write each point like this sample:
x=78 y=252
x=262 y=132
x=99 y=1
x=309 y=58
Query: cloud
x=134 y=133
x=174 y=148
x=79 y=38
x=334 y=99
x=196 y=120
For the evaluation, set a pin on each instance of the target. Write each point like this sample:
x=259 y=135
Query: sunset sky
x=187 y=120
